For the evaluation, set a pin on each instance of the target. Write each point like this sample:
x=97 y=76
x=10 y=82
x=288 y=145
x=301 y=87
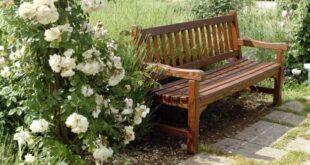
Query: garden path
x=256 y=141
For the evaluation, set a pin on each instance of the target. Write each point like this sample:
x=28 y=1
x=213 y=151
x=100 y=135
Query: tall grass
x=7 y=149
x=264 y=25
x=122 y=14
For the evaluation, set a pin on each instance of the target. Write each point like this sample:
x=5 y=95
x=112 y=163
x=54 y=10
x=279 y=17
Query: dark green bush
x=299 y=28
x=210 y=8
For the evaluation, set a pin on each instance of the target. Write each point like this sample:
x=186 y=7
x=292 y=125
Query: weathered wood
x=225 y=33
x=171 y=49
x=214 y=38
x=197 y=43
x=193 y=45
x=164 y=48
x=220 y=38
x=193 y=117
x=192 y=74
x=210 y=47
x=261 y=44
x=235 y=35
x=185 y=46
x=185 y=26
x=204 y=51
x=156 y=49
x=178 y=47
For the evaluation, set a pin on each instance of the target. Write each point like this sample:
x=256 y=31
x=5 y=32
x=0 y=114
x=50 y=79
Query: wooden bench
x=182 y=49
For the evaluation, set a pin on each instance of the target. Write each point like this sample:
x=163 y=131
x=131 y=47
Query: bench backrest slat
x=199 y=42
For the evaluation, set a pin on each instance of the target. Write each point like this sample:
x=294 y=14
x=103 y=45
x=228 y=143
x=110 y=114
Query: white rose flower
x=117 y=62
x=54 y=62
x=88 y=54
x=5 y=72
x=39 y=126
x=44 y=2
x=128 y=88
x=129 y=134
x=29 y=158
x=52 y=34
x=99 y=31
x=114 y=110
x=96 y=112
x=77 y=123
x=47 y=14
x=67 y=73
x=137 y=119
x=62 y=163
x=127 y=111
x=89 y=6
x=99 y=99
x=67 y=62
x=296 y=72
x=89 y=68
x=284 y=13
x=69 y=52
x=140 y=112
x=22 y=137
x=65 y=28
x=112 y=45
x=129 y=102
x=27 y=10
x=2 y=62
x=4 y=3
x=19 y=53
x=102 y=153
x=87 y=90
x=116 y=78
x=106 y=103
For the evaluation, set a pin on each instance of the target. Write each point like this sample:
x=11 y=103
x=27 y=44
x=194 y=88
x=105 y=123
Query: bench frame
x=195 y=105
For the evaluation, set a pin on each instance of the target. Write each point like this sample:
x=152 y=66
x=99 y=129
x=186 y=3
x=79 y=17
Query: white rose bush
x=64 y=79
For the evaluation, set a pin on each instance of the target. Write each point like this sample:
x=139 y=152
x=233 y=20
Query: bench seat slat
x=234 y=77
x=216 y=78
x=169 y=85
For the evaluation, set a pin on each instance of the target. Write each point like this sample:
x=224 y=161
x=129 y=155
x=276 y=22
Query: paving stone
x=271 y=152
x=271 y=135
x=228 y=144
x=285 y=117
x=295 y=106
x=206 y=159
x=262 y=133
x=299 y=144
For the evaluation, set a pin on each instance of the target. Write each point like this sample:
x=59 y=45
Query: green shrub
x=210 y=8
x=298 y=27
x=67 y=80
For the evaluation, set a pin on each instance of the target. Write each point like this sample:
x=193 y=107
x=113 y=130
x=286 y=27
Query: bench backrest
x=191 y=44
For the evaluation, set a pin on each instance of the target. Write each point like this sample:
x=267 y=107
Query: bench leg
x=278 y=82
x=193 y=118
x=193 y=131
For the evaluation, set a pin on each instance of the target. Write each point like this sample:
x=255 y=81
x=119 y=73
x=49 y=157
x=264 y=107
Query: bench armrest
x=261 y=44
x=190 y=74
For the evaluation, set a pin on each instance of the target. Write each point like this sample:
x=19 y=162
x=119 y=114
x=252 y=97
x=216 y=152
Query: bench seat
x=218 y=83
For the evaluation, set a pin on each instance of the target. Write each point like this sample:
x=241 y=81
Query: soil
x=221 y=119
